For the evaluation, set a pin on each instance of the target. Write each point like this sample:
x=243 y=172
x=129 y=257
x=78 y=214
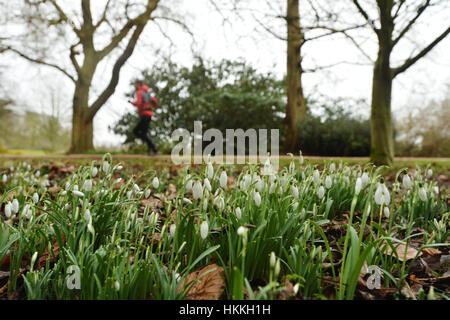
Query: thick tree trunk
x=382 y=139
x=296 y=109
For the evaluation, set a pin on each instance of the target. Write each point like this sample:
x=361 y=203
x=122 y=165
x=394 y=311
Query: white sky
x=426 y=80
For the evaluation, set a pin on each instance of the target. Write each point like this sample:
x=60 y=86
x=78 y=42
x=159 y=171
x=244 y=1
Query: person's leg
x=145 y=126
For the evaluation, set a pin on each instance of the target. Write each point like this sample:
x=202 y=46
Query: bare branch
x=408 y=63
x=103 y=18
x=39 y=61
x=365 y=15
x=420 y=10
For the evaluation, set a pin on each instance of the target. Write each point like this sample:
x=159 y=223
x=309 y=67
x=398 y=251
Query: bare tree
x=396 y=18
x=52 y=18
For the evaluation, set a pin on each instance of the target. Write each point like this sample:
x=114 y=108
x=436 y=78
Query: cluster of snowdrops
x=263 y=228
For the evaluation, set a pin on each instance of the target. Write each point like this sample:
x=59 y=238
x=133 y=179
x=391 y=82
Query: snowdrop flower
x=223 y=180
x=172 y=229
x=321 y=192
x=257 y=199
x=429 y=173
x=129 y=194
x=186 y=200
x=241 y=231
x=197 y=190
x=294 y=191
x=328 y=182
x=296 y=287
x=147 y=193
x=436 y=189
x=422 y=194
x=105 y=166
x=78 y=193
x=155 y=183
x=94 y=172
x=332 y=167
x=238 y=213
x=365 y=179
x=35 y=198
x=136 y=187
x=358 y=185
x=209 y=170
x=204 y=228
x=386 y=212
x=90 y=226
x=272 y=188
x=382 y=195
x=75 y=187
x=292 y=167
x=259 y=184
x=37 y=174
x=207 y=184
x=15 y=206
x=283 y=180
x=277 y=268
x=8 y=210
x=219 y=202
x=26 y=212
x=87 y=185
x=189 y=185
x=295 y=206
x=316 y=177
x=406 y=181
x=300 y=159
x=245 y=182
x=87 y=214
x=346 y=170
x=117 y=285
x=5 y=178
x=273 y=259
x=153 y=218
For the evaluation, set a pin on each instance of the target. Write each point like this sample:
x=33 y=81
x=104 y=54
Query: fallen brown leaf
x=427 y=252
x=400 y=249
x=209 y=286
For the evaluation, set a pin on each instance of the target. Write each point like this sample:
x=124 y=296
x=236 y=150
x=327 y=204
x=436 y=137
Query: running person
x=145 y=103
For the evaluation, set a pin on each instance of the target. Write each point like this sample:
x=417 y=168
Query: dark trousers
x=141 y=131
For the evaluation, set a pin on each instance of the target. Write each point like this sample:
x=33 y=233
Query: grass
x=139 y=228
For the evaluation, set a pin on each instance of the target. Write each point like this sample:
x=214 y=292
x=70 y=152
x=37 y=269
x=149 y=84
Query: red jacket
x=144 y=101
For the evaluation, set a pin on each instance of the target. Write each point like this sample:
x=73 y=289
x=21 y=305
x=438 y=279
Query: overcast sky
x=426 y=80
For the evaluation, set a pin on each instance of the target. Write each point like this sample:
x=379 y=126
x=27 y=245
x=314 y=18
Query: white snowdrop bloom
x=117 y=285
x=301 y=160
x=429 y=173
x=35 y=198
x=406 y=181
x=136 y=187
x=346 y=180
x=129 y=194
x=8 y=210
x=321 y=192
x=64 y=193
x=205 y=203
x=328 y=182
x=87 y=214
x=382 y=195
x=346 y=170
x=189 y=184
x=238 y=213
x=186 y=200
x=296 y=287
x=292 y=167
x=294 y=191
x=15 y=206
x=245 y=182
x=283 y=180
x=204 y=229
x=209 y=170
x=105 y=166
x=207 y=184
x=153 y=218
x=268 y=168
x=316 y=177
x=78 y=193
x=26 y=212
x=90 y=227
x=172 y=229
x=332 y=167
x=358 y=185
x=272 y=188
x=257 y=199
x=147 y=193
x=436 y=189
x=37 y=174
x=197 y=190
x=295 y=206
x=423 y=194
x=386 y=212
x=118 y=180
x=259 y=184
x=365 y=179
x=75 y=188
x=155 y=183
x=241 y=231
x=223 y=180
x=273 y=259
x=277 y=268
x=219 y=202
x=87 y=186
x=5 y=178
x=94 y=172
x=119 y=168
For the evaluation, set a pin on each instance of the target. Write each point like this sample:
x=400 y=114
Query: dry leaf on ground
x=411 y=253
x=207 y=286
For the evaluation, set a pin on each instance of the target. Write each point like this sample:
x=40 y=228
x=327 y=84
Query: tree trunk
x=381 y=133
x=296 y=109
